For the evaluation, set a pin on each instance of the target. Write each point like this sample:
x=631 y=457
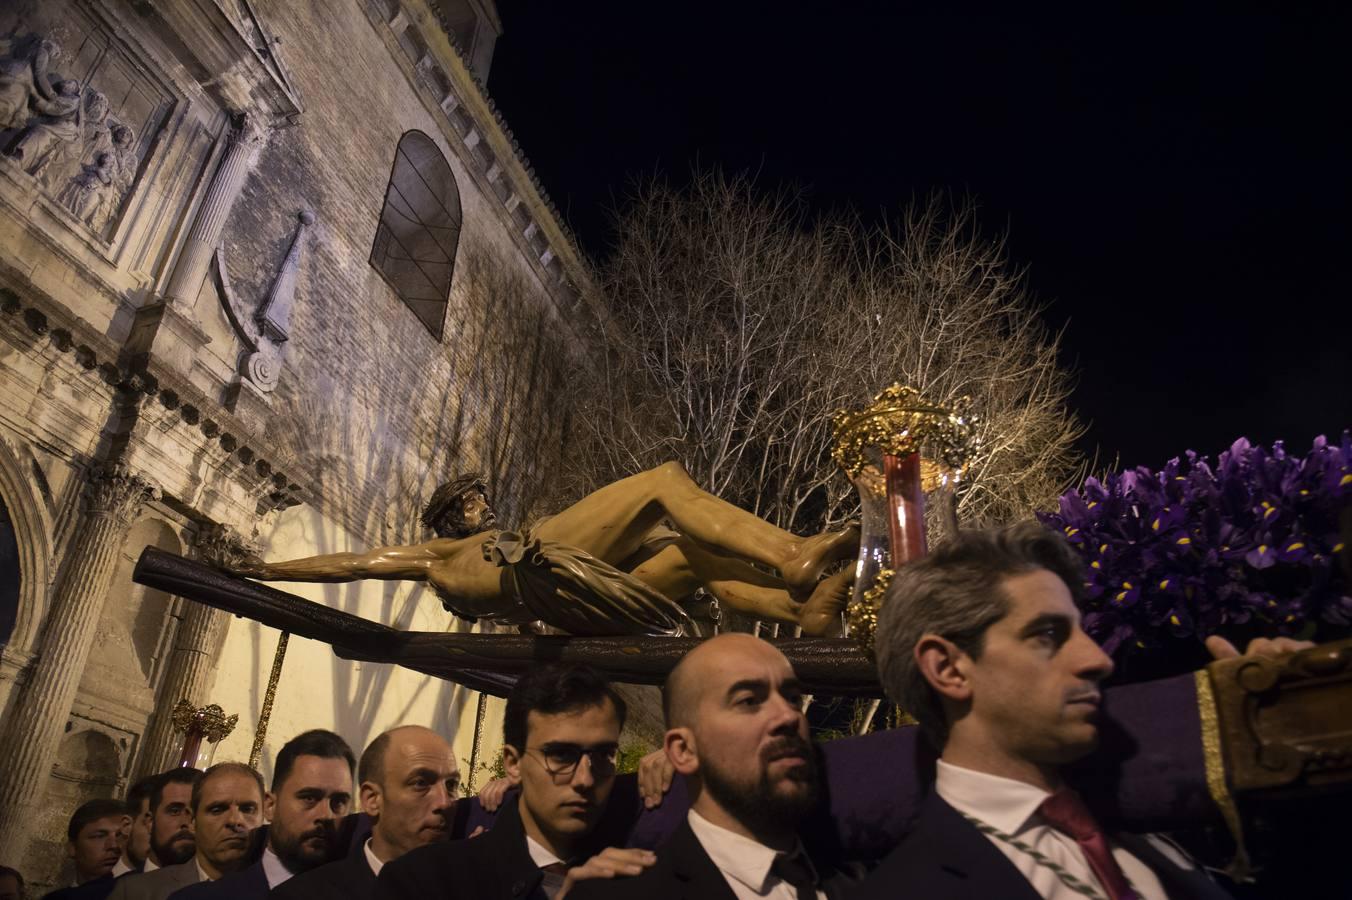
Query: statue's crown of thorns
x=448 y=495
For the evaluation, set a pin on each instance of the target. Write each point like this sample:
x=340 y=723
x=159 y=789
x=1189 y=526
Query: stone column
x=38 y=717
x=195 y=257
x=192 y=663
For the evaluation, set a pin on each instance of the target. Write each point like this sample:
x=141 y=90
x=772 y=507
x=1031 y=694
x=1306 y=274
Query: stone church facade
x=270 y=270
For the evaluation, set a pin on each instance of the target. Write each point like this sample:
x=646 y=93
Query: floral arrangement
x=1245 y=548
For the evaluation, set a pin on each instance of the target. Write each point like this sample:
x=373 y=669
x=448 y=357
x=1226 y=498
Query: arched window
x=419 y=229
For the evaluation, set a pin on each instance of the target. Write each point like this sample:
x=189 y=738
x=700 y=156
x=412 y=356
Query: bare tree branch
x=739 y=326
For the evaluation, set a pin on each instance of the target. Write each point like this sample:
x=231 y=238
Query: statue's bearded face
x=476 y=513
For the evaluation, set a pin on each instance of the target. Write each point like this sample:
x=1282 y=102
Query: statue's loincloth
x=574 y=591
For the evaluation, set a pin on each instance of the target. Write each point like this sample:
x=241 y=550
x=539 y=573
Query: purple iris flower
x=1244 y=547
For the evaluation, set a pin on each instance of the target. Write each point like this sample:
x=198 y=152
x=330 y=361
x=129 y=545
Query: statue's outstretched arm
x=390 y=563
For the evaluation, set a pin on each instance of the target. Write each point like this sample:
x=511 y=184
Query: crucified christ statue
x=603 y=565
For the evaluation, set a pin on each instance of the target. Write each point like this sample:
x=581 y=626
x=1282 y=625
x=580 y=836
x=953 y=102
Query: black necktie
x=795 y=869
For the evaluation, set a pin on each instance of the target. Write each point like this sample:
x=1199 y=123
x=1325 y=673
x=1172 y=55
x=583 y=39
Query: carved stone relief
x=77 y=114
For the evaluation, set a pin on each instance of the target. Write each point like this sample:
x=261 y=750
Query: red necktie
x=1065 y=812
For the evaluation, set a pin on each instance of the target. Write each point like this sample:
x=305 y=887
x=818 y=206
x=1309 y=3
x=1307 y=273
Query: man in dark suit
x=136 y=849
x=736 y=731
x=408 y=782
x=982 y=642
x=170 y=808
x=562 y=732
x=225 y=805
x=311 y=790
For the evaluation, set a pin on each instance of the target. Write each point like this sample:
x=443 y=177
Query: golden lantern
x=897 y=450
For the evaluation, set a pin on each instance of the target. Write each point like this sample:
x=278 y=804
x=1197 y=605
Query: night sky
x=1178 y=186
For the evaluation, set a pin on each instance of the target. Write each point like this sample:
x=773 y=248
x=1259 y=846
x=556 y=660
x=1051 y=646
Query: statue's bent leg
x=612 y=522
x=683 y=567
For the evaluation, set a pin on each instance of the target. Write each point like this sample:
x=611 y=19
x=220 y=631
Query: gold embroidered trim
x=1239 y=867
x=261 y=735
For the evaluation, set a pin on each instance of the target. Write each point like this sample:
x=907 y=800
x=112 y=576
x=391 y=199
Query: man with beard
x=736 y=731
x=562 y=733
x=137 y=848
x=224 y=804
x=311 y=790
x=170 y=806
x=409 y=782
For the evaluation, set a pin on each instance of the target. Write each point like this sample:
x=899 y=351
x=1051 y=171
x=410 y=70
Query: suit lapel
x=186 y=874
x=359 y=870
x=697 y=878
x=964 y=855
x=506 y=842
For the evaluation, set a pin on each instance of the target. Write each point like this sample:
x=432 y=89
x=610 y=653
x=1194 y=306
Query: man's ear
x=370 y=798
x=70 y=849
x=944 y=666
x=269 y=805
x=679 y=744
x=511 y=762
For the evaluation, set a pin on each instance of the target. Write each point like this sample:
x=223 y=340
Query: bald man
x=409 y=782
x=736 y=730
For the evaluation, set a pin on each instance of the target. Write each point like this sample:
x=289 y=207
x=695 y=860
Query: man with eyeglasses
x=562 y=733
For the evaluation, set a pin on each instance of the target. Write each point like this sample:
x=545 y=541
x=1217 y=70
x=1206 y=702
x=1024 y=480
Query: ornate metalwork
x=899 y=422
x=475 y=751
x=261 y=734
x=863 y=613
x=210 y=720
x=896 y=450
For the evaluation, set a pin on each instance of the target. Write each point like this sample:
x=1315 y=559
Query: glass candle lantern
x=899 y=452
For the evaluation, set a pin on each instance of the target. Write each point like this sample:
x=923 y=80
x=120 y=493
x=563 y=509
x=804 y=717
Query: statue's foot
x=802 y=573
x=820 y=615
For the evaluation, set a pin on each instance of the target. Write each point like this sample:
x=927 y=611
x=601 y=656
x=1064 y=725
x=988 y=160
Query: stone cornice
x=171 y=401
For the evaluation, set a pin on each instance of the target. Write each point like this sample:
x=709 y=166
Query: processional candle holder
x=898 y=451
x=209 y=722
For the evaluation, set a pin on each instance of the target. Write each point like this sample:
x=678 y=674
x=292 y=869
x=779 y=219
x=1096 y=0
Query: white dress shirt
x=274 y=869
x=541 y=856
x=371 y=859
x=745 y=863
x=1011 y=806
x=122 y=868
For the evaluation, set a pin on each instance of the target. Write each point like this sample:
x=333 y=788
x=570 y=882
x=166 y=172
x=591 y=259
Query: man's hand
x=612 y=862
x=491 y=794
x=655 y=772
x=1220 y=648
